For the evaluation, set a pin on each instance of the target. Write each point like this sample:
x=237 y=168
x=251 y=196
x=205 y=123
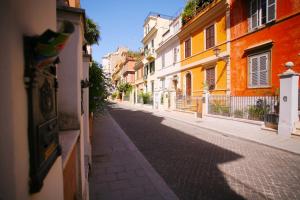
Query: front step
x=297 y=126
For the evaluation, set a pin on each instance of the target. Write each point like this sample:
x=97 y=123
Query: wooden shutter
x=188 y=48
x=210 y=78
x=271 y=10
x=253 y=14
x=210 y=37
x=259 y=70
x=263 y=70
x=253 y=71
x=175 y=55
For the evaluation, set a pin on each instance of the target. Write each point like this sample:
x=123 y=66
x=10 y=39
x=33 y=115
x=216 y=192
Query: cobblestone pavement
x=119 y=170
x=200 y=164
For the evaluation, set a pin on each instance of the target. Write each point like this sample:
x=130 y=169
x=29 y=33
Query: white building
x=168 y=66
x=154 y=27
x=107 y=65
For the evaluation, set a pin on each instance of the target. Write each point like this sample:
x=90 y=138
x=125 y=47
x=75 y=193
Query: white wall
x=31 y=17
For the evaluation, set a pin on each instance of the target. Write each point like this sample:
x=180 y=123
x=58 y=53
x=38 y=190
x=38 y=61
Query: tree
x=192 y=7
x=92 y=33
x=124 y=88
x=99 y=88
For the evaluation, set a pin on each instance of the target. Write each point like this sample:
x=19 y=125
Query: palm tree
x=92 y=33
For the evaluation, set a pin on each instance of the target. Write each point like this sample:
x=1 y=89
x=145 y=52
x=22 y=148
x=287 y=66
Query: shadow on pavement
x=188 y=165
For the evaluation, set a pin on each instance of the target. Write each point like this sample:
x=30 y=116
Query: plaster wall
x=284 y=34
x=14 y=151
x=69 y=72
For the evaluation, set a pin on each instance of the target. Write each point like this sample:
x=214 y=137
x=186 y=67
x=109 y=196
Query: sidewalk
x=229 y=127
x=119 y=170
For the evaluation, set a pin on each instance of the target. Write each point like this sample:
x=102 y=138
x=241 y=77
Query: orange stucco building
x=265 y=34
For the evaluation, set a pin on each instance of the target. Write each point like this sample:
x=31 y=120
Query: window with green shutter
x=259 y=70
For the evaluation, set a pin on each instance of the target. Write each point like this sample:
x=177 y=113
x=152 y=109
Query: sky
x=121 y=21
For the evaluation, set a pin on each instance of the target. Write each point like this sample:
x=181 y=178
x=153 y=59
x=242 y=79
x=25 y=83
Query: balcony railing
x=149 y=53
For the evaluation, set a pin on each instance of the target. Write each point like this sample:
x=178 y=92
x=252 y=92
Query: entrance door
x=188 y=81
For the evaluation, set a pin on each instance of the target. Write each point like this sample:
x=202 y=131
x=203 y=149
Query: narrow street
x=200 y=164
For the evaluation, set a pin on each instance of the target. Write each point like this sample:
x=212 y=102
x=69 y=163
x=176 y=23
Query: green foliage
x=238 y=113
x=124 y=88
x=114 y=95
x=98 y=91
x=192 y=7
x=134 y=54
x=161 y=99
x=92 y=33
x=219 y=108
x=146 y=97
x=258 y=111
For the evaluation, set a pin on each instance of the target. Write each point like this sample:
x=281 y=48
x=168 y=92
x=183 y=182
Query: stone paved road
x=200 y=164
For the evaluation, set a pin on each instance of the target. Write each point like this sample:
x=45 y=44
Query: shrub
x=225 y=110
x=238 y=113
x=99 y=86
x=145 y=96
x=114 y=95
x=258 y=111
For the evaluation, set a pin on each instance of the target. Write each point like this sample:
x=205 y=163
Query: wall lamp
x=217 y=52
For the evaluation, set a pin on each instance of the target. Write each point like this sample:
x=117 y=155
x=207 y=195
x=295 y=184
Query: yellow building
x=205 y=51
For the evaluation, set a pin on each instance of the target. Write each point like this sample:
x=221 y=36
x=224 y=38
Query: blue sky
x=121 y=21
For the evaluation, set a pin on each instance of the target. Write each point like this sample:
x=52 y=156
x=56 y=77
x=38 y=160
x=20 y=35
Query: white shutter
x=271 y=10
x=254 y=71
x=263 y=70
x=253 y=14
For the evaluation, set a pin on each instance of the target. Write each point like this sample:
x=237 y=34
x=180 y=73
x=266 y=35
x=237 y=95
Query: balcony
x=145 y=77
x=150 y=54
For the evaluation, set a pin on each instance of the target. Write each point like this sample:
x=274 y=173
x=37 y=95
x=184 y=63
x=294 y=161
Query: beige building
x=155 y=25
x=111 y=61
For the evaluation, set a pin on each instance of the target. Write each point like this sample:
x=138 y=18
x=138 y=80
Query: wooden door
x=188 y=80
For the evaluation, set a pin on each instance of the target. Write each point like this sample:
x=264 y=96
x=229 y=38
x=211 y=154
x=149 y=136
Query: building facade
x=264 y=35
x=168 y=66
x=204 y=51
x=139 y=83
x=155 y=26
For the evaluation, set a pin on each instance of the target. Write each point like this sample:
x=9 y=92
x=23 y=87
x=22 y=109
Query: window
x=176 y=27
x=146 y=70
x=259 y=70
x=187 y=48
x=210 y=78
x=210 y=36
x=152 y=67
x=163 y=60
x=261 y=12
x=163 y=83
x=175 y=55
x=152 y=87
x=152 y=43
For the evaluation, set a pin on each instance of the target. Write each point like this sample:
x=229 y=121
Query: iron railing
x=246 y=107
x=186 y=103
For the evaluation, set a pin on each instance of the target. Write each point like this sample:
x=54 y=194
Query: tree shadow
x=189 y=165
